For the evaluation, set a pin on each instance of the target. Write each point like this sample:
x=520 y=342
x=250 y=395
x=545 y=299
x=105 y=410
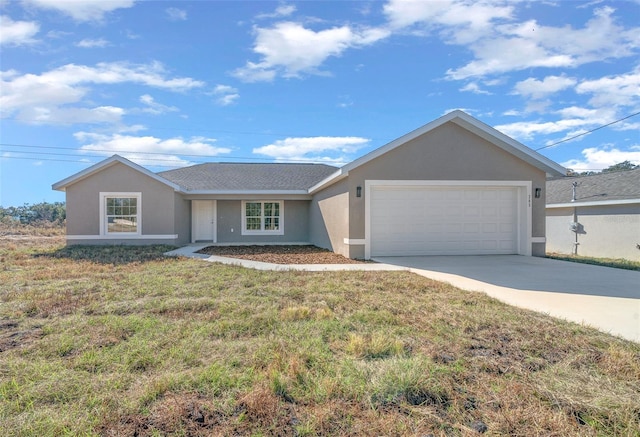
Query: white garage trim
x=524 y=210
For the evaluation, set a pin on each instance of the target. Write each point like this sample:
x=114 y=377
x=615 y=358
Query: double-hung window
x=120 y=213
x=262 y=217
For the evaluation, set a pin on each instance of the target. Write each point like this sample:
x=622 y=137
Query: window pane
x=253 y=209
x=121 y=214
x=253 y=223
x=122 y=224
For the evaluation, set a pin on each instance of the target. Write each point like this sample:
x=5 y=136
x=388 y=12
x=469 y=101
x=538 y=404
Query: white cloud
x=165 y=152
x=71 y=115
x=82 y=10
x=518 y=46
x=92 y=43
x=622 y=90
x=595 y=158
x=538 y=89
x=281 y=11
x=17 y=32
x=176 y=14
x=155 y=108
x=307 y=149
x=29 y=94
x=473 y=87
x=225 y=94
x=290 y=49
x=460 y=21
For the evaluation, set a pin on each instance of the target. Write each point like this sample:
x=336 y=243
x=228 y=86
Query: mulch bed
x=280 y=254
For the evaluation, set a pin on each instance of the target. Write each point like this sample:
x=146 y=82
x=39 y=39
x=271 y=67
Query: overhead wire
x=588 y=132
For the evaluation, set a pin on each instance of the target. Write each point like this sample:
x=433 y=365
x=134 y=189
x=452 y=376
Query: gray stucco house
x=602 y=220
x=455 y=186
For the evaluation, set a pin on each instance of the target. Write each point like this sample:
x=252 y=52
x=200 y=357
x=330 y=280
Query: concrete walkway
x=601 y=297
x=604 y=298
x=190 y=251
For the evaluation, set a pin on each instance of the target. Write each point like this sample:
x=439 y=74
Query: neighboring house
x=602 y=220
x=452 y=187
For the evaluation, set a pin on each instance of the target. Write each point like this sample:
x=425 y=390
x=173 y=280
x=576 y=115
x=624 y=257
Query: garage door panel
x=436 y=220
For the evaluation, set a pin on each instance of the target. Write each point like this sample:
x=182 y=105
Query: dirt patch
x=12 y=337
x=280 y=254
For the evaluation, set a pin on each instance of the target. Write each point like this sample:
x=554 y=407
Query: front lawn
x=121 y=341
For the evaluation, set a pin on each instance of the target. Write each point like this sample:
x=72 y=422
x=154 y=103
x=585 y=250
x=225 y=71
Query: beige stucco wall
x=606 y=232
x=182 y=219
x=296 y=223
x=83 y=204
x=329 y=218
x=448 y=152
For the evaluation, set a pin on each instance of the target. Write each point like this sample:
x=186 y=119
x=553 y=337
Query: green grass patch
x=616 y=263
x=122 y=341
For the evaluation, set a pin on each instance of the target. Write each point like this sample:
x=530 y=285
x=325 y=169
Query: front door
x=203 y=213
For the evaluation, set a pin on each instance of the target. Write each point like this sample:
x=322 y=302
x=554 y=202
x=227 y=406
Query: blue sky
x=170 y=84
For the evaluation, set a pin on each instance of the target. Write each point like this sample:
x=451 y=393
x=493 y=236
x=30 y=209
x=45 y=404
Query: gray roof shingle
x=229 y=176
x=620 y=185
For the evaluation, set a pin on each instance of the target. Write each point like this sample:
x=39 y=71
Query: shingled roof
x=248 y=176
x=622 y=185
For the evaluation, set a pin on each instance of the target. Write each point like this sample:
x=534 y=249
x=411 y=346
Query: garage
x=425 y=219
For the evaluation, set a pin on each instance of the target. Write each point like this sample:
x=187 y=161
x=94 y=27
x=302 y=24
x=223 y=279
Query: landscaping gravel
x=280 y=254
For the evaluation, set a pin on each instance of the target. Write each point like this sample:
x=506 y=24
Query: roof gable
x=612 y=187
x=467 y=122
x=115 y=159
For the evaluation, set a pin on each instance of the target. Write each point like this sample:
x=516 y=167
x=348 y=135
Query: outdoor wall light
x=358 y=191
x=537 y=193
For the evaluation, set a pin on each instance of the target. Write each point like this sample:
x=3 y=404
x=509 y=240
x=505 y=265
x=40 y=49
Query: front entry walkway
x=602 y=297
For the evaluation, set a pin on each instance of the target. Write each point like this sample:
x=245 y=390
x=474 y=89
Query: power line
x=244 y=158
x=76 y=161
x=588 y=132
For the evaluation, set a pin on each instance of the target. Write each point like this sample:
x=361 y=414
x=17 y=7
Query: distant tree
x=621 y=166
x=39 y=213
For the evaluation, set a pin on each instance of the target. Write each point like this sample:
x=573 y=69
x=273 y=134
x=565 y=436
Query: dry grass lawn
x=121 y=341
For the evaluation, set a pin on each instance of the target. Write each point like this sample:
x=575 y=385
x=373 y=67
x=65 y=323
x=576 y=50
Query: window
x=120 y=213
x=262 y=218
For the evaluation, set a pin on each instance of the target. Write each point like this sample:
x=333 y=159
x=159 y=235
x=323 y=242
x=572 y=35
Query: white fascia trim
x=354 y=241
x=123 y=237
x=594 y=203
x=331 y=179
x=508 y=144
x=61 y=185
x=466 y=121
x=248 y=192
x=524 y=236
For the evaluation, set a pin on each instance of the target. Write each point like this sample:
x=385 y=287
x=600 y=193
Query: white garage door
x=449 y=220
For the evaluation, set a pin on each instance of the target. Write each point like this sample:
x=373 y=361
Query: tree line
x=43 y=213
x=621 y=166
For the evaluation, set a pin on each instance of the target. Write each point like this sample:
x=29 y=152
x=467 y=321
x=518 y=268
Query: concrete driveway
x=602 y=297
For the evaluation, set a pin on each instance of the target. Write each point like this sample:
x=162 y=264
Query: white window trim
x=279 y=231
x=103 y=215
